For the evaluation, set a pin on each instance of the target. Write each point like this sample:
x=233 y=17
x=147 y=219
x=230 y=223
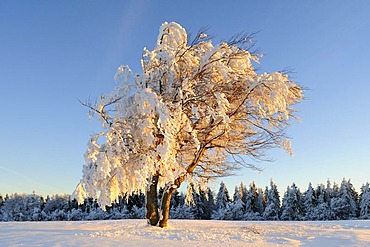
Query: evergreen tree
x=251 y=207
x=222 y=203
x=222 y=198
x=209 y=203
x=292 y=204
x=365 y=202
x=328 y=193
x=310 y=204
x=199 y=201
x=177 y=199
x=58 y=207
x=272 y=209
x=344 y=204
x=237 y=194
x=335 y=190
x=244 y=192
x=253 y=191
x=179 y=210
x=323 y=202
x=354 y=200
x=235 y=211
x=21 y=207
x=182 y=211
x=1 y=204
x=261 y=203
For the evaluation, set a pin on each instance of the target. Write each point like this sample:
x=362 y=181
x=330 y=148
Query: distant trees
x=325 y=202
x=22 y=207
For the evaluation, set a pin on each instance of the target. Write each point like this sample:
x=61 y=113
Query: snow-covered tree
x=236 y=209
x=261 y=202
x=323 y=198
x=328 y=193
x=222 y=202
x=292 y=208
x=237 y=194
x=272 y=209
x=222 y=197
x=190 y=115
x=177 y=199
x=353 y=200
x=56 y=207
x=1 y=204
x=21 y=207
x=309 y=203
x=253 y=191
x=182 y=212
x=345 y=205
x=200 y=202
x=365 y=202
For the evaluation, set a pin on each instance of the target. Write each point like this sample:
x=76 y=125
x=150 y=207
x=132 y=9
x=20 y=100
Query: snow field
x=186 y=233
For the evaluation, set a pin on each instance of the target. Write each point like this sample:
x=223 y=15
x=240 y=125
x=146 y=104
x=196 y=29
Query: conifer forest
x=323 y=202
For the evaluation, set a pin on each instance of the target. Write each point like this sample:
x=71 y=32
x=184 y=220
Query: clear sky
x=55 y=52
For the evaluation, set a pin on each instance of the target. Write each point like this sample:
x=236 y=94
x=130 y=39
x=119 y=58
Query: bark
x=167 y=194
x=165 y=207
x=152 y=203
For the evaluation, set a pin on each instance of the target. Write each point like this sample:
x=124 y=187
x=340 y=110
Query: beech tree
x=196 y=111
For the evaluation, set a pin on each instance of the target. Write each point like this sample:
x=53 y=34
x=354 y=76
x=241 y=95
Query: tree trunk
x=166 y=200
x=151 y=202
x=165 y=207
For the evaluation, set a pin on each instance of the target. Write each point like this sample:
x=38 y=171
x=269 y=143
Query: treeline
x=22 y=207
x=325 y=202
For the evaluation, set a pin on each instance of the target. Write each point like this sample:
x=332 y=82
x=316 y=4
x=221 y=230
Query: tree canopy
x=195 y=112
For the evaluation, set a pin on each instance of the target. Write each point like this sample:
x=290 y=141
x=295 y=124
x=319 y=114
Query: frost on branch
x=192 y=114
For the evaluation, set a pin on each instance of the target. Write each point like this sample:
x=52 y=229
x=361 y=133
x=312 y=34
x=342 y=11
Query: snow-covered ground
x=185 y=233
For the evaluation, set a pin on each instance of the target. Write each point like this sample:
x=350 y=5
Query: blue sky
x=55 y=52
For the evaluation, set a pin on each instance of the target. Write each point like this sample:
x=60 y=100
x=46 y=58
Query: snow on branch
x=196 y=110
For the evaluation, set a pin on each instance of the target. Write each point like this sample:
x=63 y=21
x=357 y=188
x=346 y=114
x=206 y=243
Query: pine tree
x=209 y=203
x=253 y=191
x=235 y=211
x=328 y=193
x=237 y=194
x=272 y=209
x=292 y=204
x=323 y=201
x=200 y=201
x=1 y=200
x=350 y=197
x=261 y=203
x=222 y=203
x=22 y=207
x=56 y=208
x=177 y=199
x=182 y=211
x=344 y=204
x=222 y=198
x=365 y=202
x=310 y=203
x=354 y=200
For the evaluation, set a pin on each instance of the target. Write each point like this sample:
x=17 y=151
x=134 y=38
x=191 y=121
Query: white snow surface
x=186 y=233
